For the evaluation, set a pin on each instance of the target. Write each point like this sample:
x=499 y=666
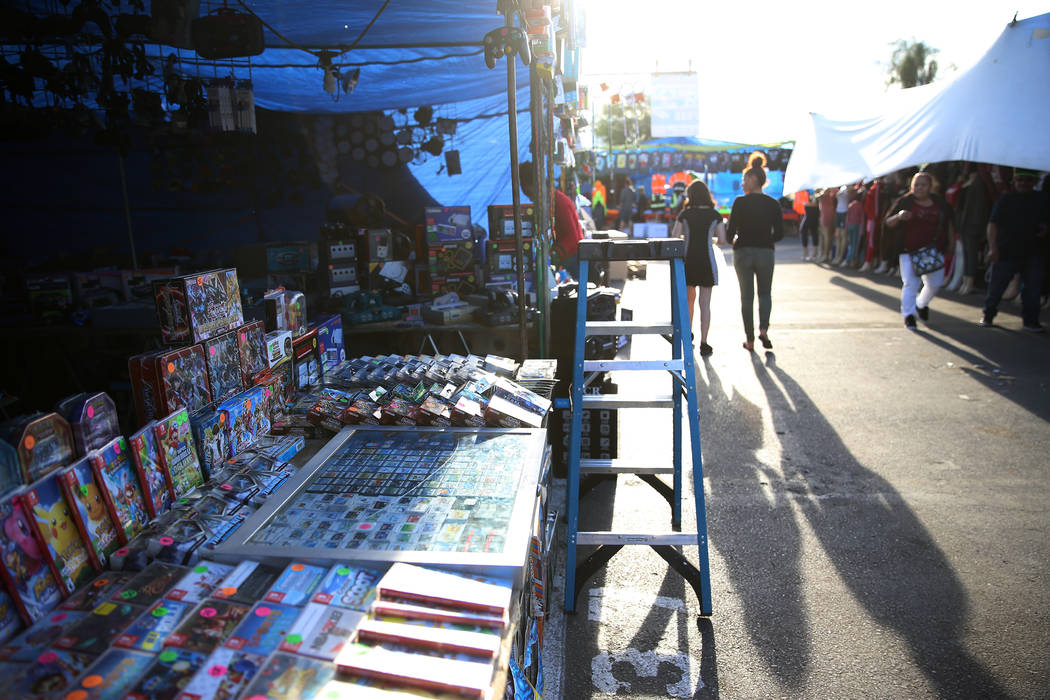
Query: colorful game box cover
x=111 y=676
x=263 y=629
x=149 y=631
x=348 y=586
x=93 y=418
x=251 y=340
x=248 y=582
x=53 y=671
x=166 y=677
x=33 y=641
x=194 y=307
x=89 y=511
x=149 y=585
x=296 y=584
x=43 y=442
x=64 y=548
x=10 y=621
x=290 y=677
x=247 y=418
x=307 y=360
x=223 y=676
x=145 y=456
x=447 y=224
x=211 y=437
x=321 y=631
x=330 y=340
x=30 y=579
x=96 y=631
x=115 y=474
x=178 y=452
x=208 y=626
x=223 y=357
x=183 y=380
x=88 y=598
x=199 y=582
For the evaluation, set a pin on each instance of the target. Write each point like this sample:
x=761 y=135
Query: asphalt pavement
x=877 y=504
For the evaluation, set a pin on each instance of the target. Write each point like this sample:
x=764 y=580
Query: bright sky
x=764 y=65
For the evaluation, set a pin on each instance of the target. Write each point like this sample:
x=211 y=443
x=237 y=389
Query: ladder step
x=619 y=466
x=618 y=401
x=626 y=328
x=636 y=365
x=622 y=538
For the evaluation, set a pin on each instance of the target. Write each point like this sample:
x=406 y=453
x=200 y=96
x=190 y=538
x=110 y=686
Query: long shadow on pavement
x=882 y=552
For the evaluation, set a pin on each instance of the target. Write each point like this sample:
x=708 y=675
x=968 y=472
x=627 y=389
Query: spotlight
x=404 y=137
x=434 y=145
x=446 y=126
x=423 y=115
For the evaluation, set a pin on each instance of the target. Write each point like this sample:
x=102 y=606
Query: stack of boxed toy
x=452 y=253
x=501 y=266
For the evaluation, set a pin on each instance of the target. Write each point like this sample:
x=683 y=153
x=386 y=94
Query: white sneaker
x=866 y=266
x=881 y=268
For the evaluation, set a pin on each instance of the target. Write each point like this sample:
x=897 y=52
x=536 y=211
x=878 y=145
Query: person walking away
x=756 y=223
x=919 y=219
x=854 y=224
x=841 y=205
x=567 y=229
x=810 y=229
x=627 y=200
x=826 y=199
x=1017 y=244
x=699 y=223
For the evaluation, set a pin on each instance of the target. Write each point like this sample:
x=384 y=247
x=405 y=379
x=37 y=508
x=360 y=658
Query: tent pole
x=540 y=247
x=127 y=211
x=515 y=184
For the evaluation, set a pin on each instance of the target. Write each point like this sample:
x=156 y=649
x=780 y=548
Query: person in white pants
x=913 y=300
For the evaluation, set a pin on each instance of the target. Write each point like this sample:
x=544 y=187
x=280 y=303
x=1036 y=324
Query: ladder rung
x=626 y=328
x=622 y=538
x=619 y=466
x=617 y=401
x=621 y=365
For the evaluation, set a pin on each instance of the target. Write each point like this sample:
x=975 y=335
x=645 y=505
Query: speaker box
x=171 y=20
x=452 y=163
x=227 y=34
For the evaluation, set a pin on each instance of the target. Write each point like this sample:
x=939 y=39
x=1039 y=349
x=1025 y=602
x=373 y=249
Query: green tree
x=912 y=64
x=622 y=124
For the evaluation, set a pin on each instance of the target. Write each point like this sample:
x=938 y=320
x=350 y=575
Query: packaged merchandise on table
x=435 y=411
x=423 y=585
x=87 y=598
x=64 y=549
x=30 y=580
x=399 y=412
x=285 y=311
x=151 y=629
x=155 y=483
x=211 y=438
x=183 y=380
x=89 y=512
x=290 y=677
x=93 y=418
x=96 y=631
x=111 y=676
x=278 y=347
x=274 y=448
x=326 y=412
x=296 y=584
x=10 y=474
x=330 y=340
x=53 y=671
x=208 y=626
x=34 y=640
x=501 y=221
x=451 y=258
x=167 y=675
x=431 y=635
x=348 y=586
x=251 y=339
x=10 y=620
x=321 y=631
x=247 y=418
x=448 y=224
x=145 y=385
x=192 y=308
x=248 y=582
x=469 y=410
x=263 y=629
x=403 y=666
x=223 y=358
x=224 y=674
x=199 y=583
x=307 y=360
x=149 y=585
x=119 y=485
x=42 y=441
x=178 y=452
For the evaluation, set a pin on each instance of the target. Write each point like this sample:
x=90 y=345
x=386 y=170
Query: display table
x=397 y=336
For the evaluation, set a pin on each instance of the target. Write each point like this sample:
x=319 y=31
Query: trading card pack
x=89 y=511
x=88 y=598
x=63 y=546
x=178 y=452
x=111 y=676
x=43 y=442
x=53 y=671
x=153 y=627
x=198 y=584
x=183 y=380
x=223 y=676
x=348 y=586
x=248 y=582
x=115 y=474
x=33 y=641
x=93 y=418
x=212 y=439
x=194 y=307
x=149 y=585
x=207 y=626
x=321 y=631
x=145 y=456
x=247 y=418
x=263 y=629
x=30 y=580
x=169 y=673
x=290 y=677
x=223 y=357
x=251 y=338
x=96 y=631
x=296 y=584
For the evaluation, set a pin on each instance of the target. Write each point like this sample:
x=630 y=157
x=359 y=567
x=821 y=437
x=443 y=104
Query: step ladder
x=682 y=382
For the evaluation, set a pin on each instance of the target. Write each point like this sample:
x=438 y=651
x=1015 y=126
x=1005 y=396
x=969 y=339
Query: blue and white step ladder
x=682 y=382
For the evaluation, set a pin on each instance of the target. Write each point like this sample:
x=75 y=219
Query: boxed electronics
x=330 y=341
x=501 y=221
x=192 y=308
x=448 y=224
x=375 y=245
x=502 y=256
x=462 y=284
x=452 y=259
x=463 y=313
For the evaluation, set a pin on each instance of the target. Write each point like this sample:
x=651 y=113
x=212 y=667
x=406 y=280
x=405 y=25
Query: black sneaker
x=986 y=321
x=706 y=350
x=909 y=322
x=1034 y=328
x=924 y=312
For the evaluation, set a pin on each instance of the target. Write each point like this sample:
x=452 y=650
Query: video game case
x=35 y=640
x=96 y=631
x=32 y=583
x=386 y=608
x=321 y=631
x=52 y=672
x=111 y=676
x=348 y=586
x=153 y=627
x=119 y=485
x=409 y=582
x=223 y=675
x=89 y=512
x=211 y=438
x=263 y=629
x=10 y=621
x=149 y=585
x=199 y=582
x=290 y=677
x=296 y=584
x=223 y=358
x=169 y=673
x=434 y=673
x=87 y=598
x=183 y=380
x=247 y=583
x=208 y=626
x=432 y=636
x=64 y=549
x=155 y=484
x=178 y=452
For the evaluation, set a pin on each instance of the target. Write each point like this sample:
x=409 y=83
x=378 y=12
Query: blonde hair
x=916 y=176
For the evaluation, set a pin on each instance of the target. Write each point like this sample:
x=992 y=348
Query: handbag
x=926 y=259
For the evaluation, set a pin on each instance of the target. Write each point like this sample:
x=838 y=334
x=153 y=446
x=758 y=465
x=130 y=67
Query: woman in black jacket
x=755 y=224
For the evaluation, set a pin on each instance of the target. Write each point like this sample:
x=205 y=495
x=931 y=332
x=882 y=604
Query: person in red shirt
x=567 y=229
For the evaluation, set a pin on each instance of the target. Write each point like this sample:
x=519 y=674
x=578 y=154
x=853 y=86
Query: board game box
x=28 y=645
x=199 y=582
x=89 y=511
x=460 y=592
x=166 y=677
x=222 y=355
x=42 y=441
x=90 y=596
x=248 y=582
x=149 y=585
x=96 y=631
x=93 y=418
x=178 y=452
x=296 y=584
x=251 y=338
x=263 y=629
x=63 y=548
x=53 y=671
x=149 y=631
x=431 y=636
x=121 y=492
x=321 y=631
x=115 y=672
x=395 y=664
x=207 y=626
x=290 y=677
x=145 y=456
x=30 y=579
x=348 y=586
x=183 y=380
x=211 y=437
x=223 y=676
x=194 y=307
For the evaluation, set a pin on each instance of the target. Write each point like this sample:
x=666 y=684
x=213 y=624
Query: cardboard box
x=501 y=256
x=192 y=308
x=278 y=347
x=375 y=244
x=448 y=224
x=452 y=259
x=330 y=343
x=445 y=317
x=307 y=359
x=501 y=221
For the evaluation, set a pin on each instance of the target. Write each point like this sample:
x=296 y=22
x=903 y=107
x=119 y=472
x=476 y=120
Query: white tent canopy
x=998 y=111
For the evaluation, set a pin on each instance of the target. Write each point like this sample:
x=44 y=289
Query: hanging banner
x=675 y=105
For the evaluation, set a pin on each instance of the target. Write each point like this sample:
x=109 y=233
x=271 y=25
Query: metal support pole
x=512 y=108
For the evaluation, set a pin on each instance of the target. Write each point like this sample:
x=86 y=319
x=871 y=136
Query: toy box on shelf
x=462 y=284
x=452 y=259
x=182 y=379
x=42 y=441
x=93 y=418
x=501 y=221
x=307 y=358
x=192 y=308
x=33 y=584
x=212 y=439
x=375 y=245
x=63 y=550
x=119 y=484
x=223 y=357
x=88 y=509
x=501 y=257
x=285 y=311
x=145 y=385
x=178 y=452
x=251 y=339
x=448 y=224
x=330 y=341
x=247 y=418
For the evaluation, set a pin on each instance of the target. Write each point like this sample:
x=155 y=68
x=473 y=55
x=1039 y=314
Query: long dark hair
x=697 y=195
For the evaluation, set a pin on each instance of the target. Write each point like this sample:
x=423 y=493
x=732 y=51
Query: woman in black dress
x=700 y=224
